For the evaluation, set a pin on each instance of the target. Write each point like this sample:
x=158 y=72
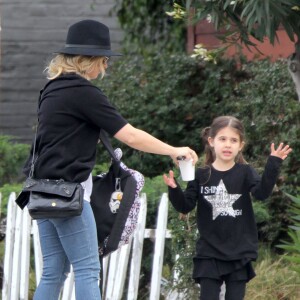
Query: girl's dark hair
x=218 y=124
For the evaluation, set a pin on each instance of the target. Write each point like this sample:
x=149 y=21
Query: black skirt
x=235 y=270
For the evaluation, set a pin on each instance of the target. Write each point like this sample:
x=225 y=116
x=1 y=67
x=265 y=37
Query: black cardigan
x=71 y=113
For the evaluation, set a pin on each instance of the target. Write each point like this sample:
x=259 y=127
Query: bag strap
x=106 y=143
x=35 y=137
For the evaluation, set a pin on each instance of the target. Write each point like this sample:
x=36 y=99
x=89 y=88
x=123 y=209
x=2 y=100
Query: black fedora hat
x=89 y=38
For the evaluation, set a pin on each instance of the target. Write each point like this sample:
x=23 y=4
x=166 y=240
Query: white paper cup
x=187 y=170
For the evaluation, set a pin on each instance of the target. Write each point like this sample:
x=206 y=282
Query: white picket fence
x=21 y=229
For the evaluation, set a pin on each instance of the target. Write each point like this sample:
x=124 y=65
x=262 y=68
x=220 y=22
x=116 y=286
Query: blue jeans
x=64 y=241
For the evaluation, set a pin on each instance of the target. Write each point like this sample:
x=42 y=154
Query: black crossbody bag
x=49 y=198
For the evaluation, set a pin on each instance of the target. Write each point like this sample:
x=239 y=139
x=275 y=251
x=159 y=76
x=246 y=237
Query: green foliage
x=146 y=25
x=274 y=280
x=172 y=97
x=100 y=168
x=184 y=237
x=262 y=217
x=153 y=188
x=5 y=191
x=12 y=158
x=268 y=107
x=292 y=246
x=261 y=212
x=270 y=112
x=175 y=96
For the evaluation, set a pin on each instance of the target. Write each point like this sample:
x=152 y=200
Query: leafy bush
x=175 y=96
x=5 y=191
x=292 y=246
x=270 y=111
x=12 y=158
x=146 y=25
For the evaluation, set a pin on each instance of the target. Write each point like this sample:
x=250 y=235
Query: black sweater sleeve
x=184 y=201
x=261 y=187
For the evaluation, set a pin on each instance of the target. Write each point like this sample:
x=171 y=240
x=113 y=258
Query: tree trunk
x=294 y=67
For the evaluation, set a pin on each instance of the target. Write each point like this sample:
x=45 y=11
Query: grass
x=275 y=280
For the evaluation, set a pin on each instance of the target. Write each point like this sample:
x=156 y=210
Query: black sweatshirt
x=71 y=113
x=225 y=216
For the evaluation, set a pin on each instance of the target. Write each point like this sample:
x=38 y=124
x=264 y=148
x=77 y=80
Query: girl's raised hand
x=170 y=181
x=282 y=151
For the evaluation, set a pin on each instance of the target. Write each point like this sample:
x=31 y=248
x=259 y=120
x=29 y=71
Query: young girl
x=228 y=235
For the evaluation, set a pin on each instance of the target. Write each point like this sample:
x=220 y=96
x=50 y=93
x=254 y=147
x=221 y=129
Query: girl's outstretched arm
x=281 y=152
x=261 y=187
x=185 y=201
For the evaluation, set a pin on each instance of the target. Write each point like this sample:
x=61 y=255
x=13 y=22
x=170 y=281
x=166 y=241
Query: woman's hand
x=170 y=181
x=185 y=152
x=281 y=152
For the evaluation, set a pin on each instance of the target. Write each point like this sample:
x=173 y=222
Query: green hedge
x=175 y=96
x=171 y=96
x=292 y=246
x=147 y=26
x=12 y=158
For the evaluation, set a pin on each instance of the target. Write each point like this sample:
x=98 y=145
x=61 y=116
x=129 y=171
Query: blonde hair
x=78 y=64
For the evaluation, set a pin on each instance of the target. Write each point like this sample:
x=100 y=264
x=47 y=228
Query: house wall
x=30 y=31
x=205 y=33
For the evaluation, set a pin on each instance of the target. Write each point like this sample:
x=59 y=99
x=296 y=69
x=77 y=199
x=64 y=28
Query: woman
x=71 y=113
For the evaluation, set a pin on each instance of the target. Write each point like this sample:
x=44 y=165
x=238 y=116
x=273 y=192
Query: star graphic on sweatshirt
x=222 y=202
